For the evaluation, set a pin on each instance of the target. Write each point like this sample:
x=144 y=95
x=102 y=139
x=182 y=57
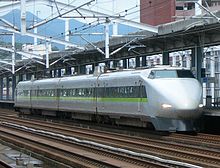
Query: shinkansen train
x=167 y=98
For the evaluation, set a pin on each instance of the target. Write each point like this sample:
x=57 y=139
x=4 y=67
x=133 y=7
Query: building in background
x=39 y=49
x=156 y=12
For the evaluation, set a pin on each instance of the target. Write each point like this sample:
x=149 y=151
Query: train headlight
x=200 y=105
x=166 y=106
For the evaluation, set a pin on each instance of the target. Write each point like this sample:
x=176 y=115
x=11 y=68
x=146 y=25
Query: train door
x=140 y=96
x=100 y=93
x=102 y=96
x=32 y=93
x=95 y=97
x=58 y=94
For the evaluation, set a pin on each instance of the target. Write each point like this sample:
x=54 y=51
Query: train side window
x=73 y=92
x=20 y=93
x=26 y=92
x=64 y=93
x=33 y=92
x=69 y=92
x=76 y=92
x=121 y=91
x=88 y=92
x=185 y=74
x=81 y=92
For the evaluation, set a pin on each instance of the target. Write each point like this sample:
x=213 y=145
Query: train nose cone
x=179 y=98
x=188 y=95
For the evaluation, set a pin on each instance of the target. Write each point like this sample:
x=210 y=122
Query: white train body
x=168 y=98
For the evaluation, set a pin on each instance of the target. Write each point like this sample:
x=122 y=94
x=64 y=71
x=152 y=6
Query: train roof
x=113 y=73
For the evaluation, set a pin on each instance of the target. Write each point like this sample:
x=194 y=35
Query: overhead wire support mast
x=199 y=3
x=142 y=26
x=207 y=10
x=40 y=37
x=23 y=17
x=13 y=53
x=117 y=50
x=60 y=15
x=97 y=48
x=107 y=38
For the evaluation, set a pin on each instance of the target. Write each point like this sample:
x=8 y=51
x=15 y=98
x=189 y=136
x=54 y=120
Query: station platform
x=211 y=120
x=6 y=104
x=212 y=111
x=15 y=158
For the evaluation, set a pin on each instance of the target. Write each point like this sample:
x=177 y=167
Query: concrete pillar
x=161 y=59
x=149 y=61
x=197 y=61
x=181 y=60
x=125 y=63
x=128 y=63
x=28 y=76
x=1 y=88
x=7 y=88
x=107 y=64
x=82 y=69
x=204 y=84
x=144 y=61
x=165 y=58
x=68 y=70
x=188 y=61
x=193 y=61
x=77 y=69
x=20 y=77
x=13 y=86
x=115 y=63
x=155 y=60
x=94 y=65
x=55 y=73
x=174 y=60
x=212 y=73
x=59 y=73
x=51 y=74
x=137 y=61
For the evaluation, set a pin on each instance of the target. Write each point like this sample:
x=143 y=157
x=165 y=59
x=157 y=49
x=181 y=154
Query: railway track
x=165 y=147
x=204 y=140
x=72 y=153
x=4 y=165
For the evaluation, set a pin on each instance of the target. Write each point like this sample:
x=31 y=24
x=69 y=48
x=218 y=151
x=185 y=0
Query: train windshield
x=171 y=74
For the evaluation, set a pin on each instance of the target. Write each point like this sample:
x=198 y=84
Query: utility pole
x=47 y=55
x=107 y=38
x=13 y=53
x=67 y=29
x=23 y=17
x=198 y=10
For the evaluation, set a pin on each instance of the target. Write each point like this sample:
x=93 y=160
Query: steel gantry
x=69 y=8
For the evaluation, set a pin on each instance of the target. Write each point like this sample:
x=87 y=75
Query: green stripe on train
x=106 y=99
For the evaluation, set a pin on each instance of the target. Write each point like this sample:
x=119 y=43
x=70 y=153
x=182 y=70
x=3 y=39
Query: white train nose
x=179 y=98
x=187 y=95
